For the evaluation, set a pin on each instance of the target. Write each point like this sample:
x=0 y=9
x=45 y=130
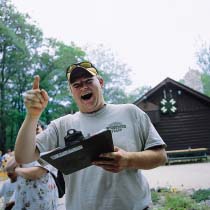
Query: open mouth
x=86 y=96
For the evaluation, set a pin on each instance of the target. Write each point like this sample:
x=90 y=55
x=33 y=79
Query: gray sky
x=156 y=38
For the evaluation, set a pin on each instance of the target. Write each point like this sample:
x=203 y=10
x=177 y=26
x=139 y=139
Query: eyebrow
x=86 y=80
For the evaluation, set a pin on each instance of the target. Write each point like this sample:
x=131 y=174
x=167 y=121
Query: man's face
x=87 y=92
x=38 y=129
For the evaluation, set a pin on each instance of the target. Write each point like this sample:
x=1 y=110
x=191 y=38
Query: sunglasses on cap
x=85 y=65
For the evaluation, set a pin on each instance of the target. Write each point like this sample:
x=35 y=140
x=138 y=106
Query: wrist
x=133 y=160
x=129 y=162
x=32 y=116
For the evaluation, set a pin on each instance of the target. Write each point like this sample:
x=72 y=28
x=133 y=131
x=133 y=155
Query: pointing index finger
x=36 y=82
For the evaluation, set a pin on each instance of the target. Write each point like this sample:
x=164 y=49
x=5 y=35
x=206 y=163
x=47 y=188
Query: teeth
x=86 y=94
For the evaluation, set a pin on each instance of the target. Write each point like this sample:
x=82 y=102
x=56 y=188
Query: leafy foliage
x=23 y=53
x=116 y=74
x=180 y=200
x=203 y=61
x=201 y=195
x=19 y=41
x=205 y=78
x=203 y=58
x=138 y=93
x=53 y=61
x=155 y=196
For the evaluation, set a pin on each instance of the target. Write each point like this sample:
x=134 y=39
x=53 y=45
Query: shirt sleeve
x=47 y=139
x=150 y=135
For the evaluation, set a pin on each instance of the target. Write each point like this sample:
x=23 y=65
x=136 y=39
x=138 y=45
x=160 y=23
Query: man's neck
x=101 y=107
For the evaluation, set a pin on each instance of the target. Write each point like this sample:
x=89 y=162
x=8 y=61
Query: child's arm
x=31 y=173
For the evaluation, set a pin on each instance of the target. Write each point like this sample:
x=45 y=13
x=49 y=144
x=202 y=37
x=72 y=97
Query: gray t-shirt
x=93 y=187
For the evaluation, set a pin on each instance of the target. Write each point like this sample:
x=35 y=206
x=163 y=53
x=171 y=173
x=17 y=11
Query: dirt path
x=185 y=176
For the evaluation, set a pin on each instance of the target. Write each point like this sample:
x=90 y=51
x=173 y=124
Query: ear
x=69 y=88
x=70 y=91
x=101 y=81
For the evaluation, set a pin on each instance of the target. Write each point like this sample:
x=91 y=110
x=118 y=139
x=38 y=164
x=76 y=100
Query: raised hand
x=36 y=100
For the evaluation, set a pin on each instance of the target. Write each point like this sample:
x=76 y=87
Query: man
x=115 y=184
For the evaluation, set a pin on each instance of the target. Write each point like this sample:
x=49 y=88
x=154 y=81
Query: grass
x=170 y=199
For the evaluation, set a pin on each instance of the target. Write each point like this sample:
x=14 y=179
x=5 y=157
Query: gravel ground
x=182 y=177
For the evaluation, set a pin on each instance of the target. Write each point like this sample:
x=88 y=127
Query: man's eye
x=89 y=81
x=76 y=85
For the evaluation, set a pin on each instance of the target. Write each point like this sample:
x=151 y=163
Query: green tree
x=24 y=53
x=115 y=73
x=203 y=61
x=53 y=61
x=138 y=93
x=205 y=78
x=19 y=41
x=203 y=58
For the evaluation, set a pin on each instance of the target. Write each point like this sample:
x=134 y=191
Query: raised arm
x=35 y=101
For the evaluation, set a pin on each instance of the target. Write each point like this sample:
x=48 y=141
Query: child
x=8 y=189
x=36 y=188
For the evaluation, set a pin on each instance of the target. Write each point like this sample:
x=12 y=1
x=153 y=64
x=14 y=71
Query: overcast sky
x=156 y=38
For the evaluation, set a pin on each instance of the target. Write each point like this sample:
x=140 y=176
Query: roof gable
x=175 y=83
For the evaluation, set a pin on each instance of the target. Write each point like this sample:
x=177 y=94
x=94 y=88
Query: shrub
x=155 y=197
x=201 y=195
x=179 y=202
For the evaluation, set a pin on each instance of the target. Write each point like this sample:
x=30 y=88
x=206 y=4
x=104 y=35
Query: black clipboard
x=70 y=159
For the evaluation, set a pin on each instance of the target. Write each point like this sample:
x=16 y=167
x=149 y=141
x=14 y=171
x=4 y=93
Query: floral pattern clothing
x=7 y=191
x=39 y=194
